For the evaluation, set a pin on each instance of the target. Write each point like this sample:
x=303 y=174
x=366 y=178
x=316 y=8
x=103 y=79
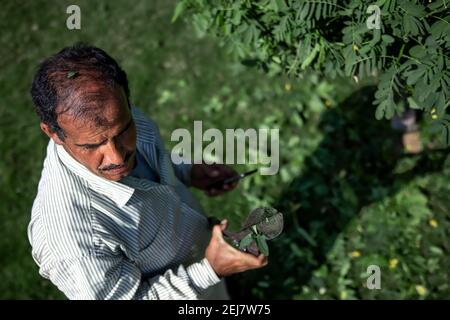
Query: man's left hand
x=203 y=175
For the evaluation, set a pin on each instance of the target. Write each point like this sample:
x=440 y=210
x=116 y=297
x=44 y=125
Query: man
x=113 y=218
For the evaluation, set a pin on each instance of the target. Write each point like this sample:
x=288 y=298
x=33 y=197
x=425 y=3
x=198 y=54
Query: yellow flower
x=421 y=290
x=433 y=223
x=393 y=263
x=288 y=87
x=355 y=254
x=355 y=47
x=433 y=114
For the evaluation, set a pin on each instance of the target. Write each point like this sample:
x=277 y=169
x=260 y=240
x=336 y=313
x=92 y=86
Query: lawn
x=341 y=215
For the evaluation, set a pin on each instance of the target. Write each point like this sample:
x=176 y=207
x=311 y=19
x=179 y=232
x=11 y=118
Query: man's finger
x=262 y=259
x=250 y=260
x=217 y=233
x=213 y=172
x=224 y=224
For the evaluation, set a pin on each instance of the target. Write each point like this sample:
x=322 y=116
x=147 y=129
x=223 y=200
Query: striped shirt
x=132 y=239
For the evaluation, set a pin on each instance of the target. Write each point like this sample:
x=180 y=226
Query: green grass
x=176 y=78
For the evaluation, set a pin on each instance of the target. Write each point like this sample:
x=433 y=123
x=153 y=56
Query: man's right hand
x=226 y=260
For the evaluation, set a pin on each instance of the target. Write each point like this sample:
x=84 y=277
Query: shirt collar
x=119 y=192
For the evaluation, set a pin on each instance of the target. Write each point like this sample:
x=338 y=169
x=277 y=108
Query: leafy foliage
x=359 y=201
x=408 y=54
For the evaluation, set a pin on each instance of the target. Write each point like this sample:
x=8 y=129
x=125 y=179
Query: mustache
x=118 y=166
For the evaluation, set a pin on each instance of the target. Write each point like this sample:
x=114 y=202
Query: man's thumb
x=217 y=233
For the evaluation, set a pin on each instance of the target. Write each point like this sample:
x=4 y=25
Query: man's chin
x=116 y=175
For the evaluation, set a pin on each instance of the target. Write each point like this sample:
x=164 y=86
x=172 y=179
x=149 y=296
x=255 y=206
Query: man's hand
x=203 y=175
x=226 y=260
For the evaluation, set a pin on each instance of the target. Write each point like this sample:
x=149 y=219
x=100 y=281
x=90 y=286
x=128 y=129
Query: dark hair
x=60 y=77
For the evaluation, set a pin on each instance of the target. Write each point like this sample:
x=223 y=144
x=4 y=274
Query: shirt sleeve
x=117 y=278
x=149 y=128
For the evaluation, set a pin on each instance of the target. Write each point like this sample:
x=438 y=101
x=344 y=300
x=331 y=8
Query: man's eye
x=89 y=147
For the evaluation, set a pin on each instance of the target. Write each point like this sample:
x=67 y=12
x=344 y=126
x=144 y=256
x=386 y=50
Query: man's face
x=107 y=150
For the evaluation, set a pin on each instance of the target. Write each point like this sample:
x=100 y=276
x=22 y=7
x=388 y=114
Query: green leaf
x=71 y=74
x=236 y=20
x=306 y=236
x=281 y=5
x=445 y=131
x=414 y=76
x=303 y=12
x=295 y=250
x=412 y=9
x=246 y=241
x=350 y=58
x=273 y=5
x=418 y=52
x=439 y=28
x=411 y=25
x=387 y=38
x=413 y=104
x=436 y=250
x=385 y=109
x=179 y=8
x=318 y=11
x=262 y=244
x=310 y=57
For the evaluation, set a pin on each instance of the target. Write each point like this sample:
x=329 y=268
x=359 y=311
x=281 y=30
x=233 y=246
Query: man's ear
x=51 y=134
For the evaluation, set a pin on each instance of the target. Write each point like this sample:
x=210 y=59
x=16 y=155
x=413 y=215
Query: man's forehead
x=96 y=112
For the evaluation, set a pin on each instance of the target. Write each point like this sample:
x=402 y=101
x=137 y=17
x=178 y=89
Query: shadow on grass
x=352 y=167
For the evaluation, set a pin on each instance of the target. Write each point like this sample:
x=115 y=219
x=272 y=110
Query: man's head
x=82 y=98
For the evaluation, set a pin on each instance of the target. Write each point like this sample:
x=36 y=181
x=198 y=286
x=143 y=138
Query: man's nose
x=113 y=154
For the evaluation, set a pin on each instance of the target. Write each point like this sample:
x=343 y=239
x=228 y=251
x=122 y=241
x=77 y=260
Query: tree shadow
x=352 y=167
